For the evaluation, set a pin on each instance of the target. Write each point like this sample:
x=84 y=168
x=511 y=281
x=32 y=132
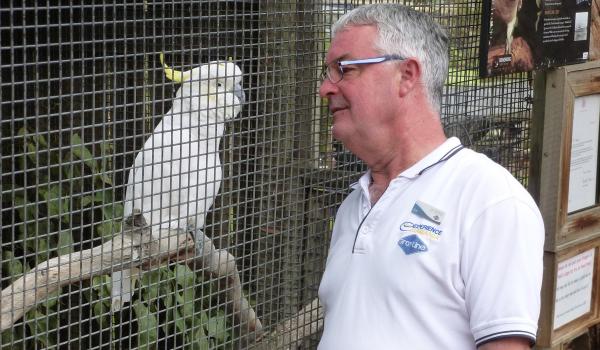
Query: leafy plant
x=172 y=305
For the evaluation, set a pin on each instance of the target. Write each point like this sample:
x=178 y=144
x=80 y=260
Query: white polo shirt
x=448 y=259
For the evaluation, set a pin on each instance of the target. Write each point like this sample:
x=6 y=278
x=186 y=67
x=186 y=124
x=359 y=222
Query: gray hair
x=408 y=33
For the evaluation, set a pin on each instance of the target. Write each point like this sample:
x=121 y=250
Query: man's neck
x=375 y=192
x=384 y=172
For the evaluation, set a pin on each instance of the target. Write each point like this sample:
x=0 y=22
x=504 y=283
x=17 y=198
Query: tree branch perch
x=135 y=247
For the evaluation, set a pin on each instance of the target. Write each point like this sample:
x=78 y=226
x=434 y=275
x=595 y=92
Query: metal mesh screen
x=82 y=90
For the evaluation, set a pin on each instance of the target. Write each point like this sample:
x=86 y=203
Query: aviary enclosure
x=82 y=90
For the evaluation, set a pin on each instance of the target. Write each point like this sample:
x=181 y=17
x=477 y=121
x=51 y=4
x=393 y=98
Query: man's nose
x=327 y=88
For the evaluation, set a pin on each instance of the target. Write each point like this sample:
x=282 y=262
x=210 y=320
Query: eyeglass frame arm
x=341 y=64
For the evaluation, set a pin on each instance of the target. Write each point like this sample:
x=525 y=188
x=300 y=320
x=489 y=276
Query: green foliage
x=50 y=197
x=62 y=188
x=183 y=301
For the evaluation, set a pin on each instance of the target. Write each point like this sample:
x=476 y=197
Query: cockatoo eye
x=220 y=85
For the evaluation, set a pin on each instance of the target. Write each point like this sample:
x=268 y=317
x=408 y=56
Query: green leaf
x=65 y=242
x=186 y=280
x=40 y=140
x=35 y=146
x=179 y=321
x=51 y=301
x=12 y=266
x=38 y=326
x=110 y=212
x=101 y=284
x=69 y=168
x=25 y=209
x=169 y=299
x=184 y=276
x=80 y=151
x=104 y=178
x=52 y=198
x=179 y=299
x=199 y=339
x=105 y=196
x=102 y=313
x=106 y=230
x=167 y=287
x=217 y=327
x=188 y=306
x=12 y=339
x=150 y=283
x=32 y=152
x=86 y=200
x=83 y=153
x=147 y=326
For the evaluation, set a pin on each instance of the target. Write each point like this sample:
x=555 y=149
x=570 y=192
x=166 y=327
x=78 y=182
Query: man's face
x=363 y=103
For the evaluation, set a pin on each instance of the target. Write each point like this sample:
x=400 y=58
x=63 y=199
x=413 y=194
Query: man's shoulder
x=479 y=175
x=477 y=166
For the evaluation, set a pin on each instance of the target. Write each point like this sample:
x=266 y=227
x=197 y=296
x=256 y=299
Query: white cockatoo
x=177 y=174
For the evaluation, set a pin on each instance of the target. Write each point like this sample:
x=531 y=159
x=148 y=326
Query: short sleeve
x=502 y=267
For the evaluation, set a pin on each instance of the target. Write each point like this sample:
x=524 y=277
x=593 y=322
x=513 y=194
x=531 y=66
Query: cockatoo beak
x=172 y=74
x=239 y=93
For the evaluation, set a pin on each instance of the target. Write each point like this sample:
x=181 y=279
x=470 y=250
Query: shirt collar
x=431 y=158
x=413 y=171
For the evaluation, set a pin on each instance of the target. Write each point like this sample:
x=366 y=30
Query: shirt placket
x=371 y=215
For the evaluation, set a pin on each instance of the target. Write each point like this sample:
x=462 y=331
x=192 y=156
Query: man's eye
x=348 y=69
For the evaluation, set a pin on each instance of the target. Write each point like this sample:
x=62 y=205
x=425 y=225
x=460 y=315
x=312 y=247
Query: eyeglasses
x=335 y=70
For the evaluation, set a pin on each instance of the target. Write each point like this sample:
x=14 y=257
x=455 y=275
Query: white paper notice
x=574 y=280
x=584 y=152
x=581 y=26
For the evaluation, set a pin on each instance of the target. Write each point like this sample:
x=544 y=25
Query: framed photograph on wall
x=523 y=35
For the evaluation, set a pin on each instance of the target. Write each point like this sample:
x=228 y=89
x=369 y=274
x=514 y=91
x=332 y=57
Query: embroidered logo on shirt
x=412 y=244
x=427 y=211
x=429 y=231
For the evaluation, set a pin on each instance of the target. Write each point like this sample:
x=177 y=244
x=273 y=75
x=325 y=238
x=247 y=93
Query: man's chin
x=334 y=133
x=337 y=134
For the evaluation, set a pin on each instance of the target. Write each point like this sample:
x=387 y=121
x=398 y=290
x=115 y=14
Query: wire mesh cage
x=83 y=90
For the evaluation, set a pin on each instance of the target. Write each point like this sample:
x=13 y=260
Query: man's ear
x=411 y=75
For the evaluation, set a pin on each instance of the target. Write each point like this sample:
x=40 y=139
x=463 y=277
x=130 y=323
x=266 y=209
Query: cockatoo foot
x=117 y=304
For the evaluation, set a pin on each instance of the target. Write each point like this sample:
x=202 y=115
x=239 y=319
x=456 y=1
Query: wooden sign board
x=565 y=180
x=570 y=299
x=564 y=163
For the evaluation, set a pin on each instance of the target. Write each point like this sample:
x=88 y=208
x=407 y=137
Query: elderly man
x=437 y=247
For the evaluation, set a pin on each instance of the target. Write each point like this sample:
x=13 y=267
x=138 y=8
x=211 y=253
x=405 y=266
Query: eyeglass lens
x=334 y=72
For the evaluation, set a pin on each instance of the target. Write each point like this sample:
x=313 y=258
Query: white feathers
x=505 y=15
x=177 y=174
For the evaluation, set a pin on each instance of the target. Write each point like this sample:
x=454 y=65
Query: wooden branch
x=220 y=264
x=133 y=247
